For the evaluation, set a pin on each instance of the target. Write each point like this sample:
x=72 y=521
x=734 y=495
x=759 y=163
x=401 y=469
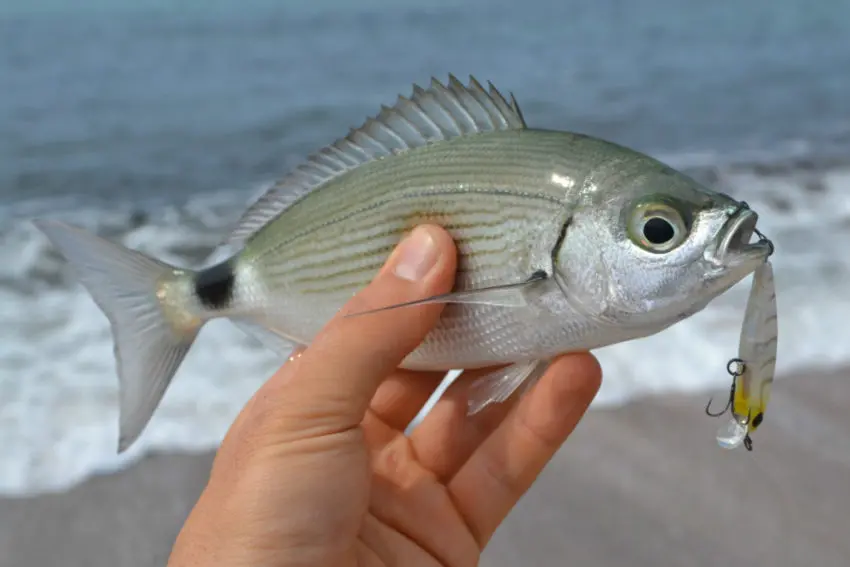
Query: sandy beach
x=641 y=485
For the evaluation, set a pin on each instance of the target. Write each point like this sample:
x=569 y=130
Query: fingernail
x=417 y=255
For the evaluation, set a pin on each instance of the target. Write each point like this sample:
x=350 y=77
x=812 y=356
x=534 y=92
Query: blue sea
x=155 y=122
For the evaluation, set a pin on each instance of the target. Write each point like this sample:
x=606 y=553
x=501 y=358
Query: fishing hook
x=763 y=238
x=738 y=371
x=724 y=410
x=735 y=367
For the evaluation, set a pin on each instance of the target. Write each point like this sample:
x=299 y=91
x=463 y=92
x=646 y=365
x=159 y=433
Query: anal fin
x=499 y=385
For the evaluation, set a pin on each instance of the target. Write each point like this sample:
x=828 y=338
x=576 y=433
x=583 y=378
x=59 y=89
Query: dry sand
x=638 y=486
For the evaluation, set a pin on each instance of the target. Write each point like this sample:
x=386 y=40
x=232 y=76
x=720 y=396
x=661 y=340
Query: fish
x=753 y=371
x=566 y=242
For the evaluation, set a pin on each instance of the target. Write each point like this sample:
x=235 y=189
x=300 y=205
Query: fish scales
x=491 y=201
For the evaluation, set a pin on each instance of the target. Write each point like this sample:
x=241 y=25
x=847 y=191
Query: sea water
x=154 y=123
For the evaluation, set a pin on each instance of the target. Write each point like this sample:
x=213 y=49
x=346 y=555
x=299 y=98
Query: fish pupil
x=214 y=286
x=658 y=230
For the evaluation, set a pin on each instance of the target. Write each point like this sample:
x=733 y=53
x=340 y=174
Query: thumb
x=330 y=385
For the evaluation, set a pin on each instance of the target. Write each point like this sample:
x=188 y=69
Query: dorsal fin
x=430 y=115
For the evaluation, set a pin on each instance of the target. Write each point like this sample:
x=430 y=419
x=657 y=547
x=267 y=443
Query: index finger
x=329 y=387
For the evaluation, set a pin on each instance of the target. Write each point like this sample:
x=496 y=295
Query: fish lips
x=734 y=248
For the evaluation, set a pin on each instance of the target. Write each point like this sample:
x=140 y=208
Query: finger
x=345 y=363
x=494 y=478
x=405 y=496
x=269 y=388
x=235 y=443
x=400 y=397
x=448 y=436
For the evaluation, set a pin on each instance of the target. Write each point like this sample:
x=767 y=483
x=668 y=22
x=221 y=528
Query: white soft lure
x=755 y=366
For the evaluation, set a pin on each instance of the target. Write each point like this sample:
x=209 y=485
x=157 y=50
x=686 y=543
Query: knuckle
x=393 y=461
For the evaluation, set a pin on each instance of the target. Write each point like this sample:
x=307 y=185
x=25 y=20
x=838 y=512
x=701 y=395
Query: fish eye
x=658 y=230
x=657 y=227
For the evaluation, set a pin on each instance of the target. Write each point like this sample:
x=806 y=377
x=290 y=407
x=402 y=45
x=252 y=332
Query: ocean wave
x=58 y=416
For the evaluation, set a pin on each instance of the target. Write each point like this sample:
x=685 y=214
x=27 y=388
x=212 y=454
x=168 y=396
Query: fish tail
x=151 y=312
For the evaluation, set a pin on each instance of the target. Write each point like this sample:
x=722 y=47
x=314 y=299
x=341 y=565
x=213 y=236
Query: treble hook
x=725 y=409
x=738 y=371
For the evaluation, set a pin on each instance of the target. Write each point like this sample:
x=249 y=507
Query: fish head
x=652 y=249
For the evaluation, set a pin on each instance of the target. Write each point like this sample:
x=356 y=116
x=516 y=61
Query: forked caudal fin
x=151 y=334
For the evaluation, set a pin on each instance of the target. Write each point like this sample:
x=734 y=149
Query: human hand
x=317 y=472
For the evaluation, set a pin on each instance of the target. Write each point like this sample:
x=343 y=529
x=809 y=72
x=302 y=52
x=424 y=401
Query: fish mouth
x=735 y=247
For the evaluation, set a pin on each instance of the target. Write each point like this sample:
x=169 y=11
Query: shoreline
x=116 y=464
x=637 y=484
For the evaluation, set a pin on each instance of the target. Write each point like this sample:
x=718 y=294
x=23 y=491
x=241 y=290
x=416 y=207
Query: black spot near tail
x=214 y=286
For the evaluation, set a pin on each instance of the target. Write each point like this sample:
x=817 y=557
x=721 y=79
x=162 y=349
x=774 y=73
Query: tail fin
x=148 y=346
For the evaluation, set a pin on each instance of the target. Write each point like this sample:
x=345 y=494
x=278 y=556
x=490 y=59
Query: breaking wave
x=58 y=416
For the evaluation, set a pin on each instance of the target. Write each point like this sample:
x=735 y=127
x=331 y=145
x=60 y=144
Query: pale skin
x=317 y=472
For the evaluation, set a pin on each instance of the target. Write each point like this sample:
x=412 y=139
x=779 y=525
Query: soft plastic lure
x=754 y=368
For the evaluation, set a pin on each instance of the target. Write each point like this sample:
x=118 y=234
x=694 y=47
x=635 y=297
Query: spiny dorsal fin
x=438 y=113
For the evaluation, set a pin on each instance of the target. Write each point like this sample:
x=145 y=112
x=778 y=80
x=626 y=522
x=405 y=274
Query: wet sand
x=637 y=486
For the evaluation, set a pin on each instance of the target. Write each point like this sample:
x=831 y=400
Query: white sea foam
x=58 y=405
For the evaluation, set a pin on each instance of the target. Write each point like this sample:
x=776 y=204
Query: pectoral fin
x=508 y=295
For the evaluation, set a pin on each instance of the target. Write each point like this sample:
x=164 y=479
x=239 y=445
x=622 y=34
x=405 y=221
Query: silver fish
x=566 y=242
x=755 y=366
